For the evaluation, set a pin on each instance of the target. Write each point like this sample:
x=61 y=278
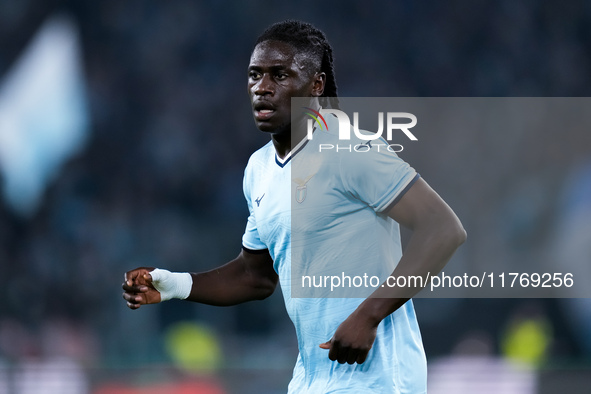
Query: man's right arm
x=250 y=276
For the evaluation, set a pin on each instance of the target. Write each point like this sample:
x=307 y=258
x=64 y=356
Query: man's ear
x=318 y=84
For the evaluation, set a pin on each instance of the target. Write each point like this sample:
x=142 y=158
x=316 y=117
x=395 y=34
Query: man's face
x=276 y=73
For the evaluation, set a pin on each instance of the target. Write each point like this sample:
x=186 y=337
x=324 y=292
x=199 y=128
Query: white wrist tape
x=172 y=284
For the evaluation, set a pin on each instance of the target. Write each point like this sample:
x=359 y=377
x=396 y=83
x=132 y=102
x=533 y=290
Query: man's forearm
x=233 y=283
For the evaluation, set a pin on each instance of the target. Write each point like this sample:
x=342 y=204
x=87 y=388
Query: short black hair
x=306 y=38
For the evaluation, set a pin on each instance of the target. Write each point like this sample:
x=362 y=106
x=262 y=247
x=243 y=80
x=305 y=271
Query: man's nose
x=264 y=86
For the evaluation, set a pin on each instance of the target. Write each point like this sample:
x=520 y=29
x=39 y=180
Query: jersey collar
x=282 y=162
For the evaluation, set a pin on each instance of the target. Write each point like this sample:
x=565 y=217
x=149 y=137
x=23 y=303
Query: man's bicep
x=259 y=264
x=420 y=204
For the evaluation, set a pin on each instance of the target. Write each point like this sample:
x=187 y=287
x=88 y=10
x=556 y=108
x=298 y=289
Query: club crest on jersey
x=302 y=189
x=301 y=192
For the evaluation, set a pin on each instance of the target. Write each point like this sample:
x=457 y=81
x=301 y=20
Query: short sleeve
x=250 y=239
x=377 y=176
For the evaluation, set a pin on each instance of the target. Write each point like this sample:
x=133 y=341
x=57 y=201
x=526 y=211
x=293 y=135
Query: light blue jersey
x=322 y=212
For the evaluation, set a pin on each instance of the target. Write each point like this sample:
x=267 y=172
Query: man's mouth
x=263 y=111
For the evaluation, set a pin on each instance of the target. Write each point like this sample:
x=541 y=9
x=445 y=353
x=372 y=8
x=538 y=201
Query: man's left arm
x=436 y=234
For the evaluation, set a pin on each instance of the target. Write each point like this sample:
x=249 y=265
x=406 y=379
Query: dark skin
x=249 y=277
x=278 y=72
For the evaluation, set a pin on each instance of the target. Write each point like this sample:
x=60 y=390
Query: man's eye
x=281 y=76
x=254 y=75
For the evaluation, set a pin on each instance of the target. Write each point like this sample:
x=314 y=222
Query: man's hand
x=352 y=340
x=139 y=289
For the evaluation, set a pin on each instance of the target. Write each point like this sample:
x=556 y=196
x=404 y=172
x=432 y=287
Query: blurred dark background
x=158 y=180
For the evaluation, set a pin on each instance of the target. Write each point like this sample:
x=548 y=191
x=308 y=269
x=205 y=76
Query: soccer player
x=347 y=345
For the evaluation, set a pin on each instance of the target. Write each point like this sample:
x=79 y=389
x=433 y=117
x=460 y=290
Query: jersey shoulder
x=262 y=154
x=258 y=164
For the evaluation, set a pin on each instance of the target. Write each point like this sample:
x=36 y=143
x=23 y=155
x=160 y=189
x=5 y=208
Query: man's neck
x=291 y=136
x=282 y=144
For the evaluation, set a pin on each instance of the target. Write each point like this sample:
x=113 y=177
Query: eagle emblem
x=302 y=189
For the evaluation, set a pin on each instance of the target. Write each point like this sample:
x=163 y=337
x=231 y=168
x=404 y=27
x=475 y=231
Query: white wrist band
x=172 y=284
